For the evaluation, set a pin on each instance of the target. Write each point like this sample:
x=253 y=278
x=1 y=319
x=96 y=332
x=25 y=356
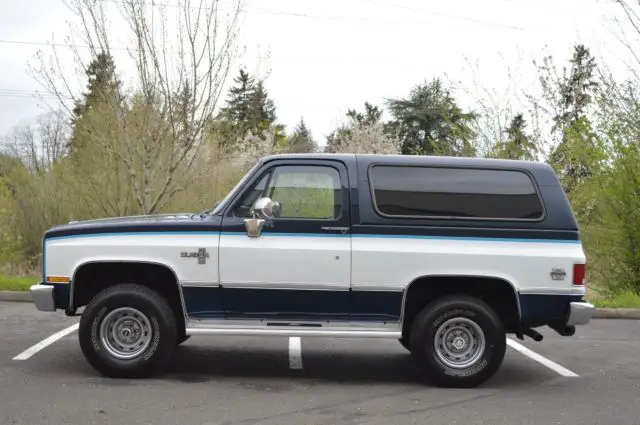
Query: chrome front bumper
x=43 y=297
x=580 y=313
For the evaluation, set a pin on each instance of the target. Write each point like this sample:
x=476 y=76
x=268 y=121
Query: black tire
x=404 y=341
x=470 y=311
x=161 y=326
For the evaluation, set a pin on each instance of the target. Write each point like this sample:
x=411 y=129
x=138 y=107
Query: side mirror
x=263 y=208
x=262 y=211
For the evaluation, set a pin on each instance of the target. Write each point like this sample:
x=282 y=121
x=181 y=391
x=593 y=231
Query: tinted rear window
x=455 y=192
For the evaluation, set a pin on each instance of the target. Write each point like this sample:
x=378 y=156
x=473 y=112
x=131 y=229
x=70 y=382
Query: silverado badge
x=201 y=255
x=558 y=274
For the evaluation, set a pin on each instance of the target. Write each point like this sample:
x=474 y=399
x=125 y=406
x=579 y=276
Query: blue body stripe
x=468 y=238
x=322 y=235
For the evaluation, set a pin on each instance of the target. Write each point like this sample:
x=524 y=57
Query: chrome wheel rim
x=459 y=343
x=126 y=333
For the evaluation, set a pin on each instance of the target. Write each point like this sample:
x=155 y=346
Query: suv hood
x=139 y=223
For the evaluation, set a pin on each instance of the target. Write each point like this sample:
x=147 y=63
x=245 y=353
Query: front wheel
x=459 y=341
x=128 y=331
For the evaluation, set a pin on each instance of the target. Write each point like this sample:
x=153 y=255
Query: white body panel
x=363 y=263
x=397 y=261
x=292 y=262
x=64 y=255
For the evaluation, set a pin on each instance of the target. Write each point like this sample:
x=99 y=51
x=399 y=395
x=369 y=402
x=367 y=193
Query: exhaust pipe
x=564 y=330
x=533 y=334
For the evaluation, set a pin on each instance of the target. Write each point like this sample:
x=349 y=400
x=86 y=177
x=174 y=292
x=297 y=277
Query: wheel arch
x=128 y=263
x=463 y=281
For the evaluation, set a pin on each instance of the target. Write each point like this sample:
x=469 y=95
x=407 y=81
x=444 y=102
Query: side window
x=455 y=192
x=306 y=192
x=243 y=209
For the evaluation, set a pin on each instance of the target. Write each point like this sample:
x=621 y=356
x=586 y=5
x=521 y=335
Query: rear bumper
x=43 y=297
x=580 y=313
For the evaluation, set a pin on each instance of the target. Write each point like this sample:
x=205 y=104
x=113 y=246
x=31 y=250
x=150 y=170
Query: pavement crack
x=259 y=420
x=439 y=406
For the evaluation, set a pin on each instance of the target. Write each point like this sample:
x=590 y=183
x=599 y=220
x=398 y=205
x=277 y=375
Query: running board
x=283 y=328
x=327 y=332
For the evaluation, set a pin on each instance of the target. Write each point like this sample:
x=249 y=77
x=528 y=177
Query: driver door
x=299 y=267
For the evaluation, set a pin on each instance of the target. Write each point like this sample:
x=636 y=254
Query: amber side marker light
x=58 y=279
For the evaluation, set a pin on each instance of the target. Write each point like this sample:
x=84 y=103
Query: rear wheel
x=404 y=341
x=459 y=341
x=128 y=331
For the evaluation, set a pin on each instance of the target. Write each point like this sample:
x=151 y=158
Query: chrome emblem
x=558 y=274
x=201 y=255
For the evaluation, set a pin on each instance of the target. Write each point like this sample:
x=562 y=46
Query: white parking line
x=45 y=343
x=540 y=359
x=295 y=352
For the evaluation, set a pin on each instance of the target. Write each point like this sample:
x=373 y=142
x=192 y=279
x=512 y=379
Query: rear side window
x=455 y=193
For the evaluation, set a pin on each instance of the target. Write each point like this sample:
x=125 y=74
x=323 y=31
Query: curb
x=618 y=313
x=601 y=313
x=18 y=296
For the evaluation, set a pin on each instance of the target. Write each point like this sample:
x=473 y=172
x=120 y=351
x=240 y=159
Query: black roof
x=542 y=171
x=413 y=159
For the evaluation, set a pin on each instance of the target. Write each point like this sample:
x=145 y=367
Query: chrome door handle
x=335 y=229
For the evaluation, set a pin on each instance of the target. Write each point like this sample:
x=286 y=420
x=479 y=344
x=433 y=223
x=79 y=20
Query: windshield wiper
x=206 y=212
x=202 y=213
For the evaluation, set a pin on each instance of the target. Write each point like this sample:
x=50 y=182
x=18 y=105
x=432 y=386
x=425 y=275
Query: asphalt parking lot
x=591 y=378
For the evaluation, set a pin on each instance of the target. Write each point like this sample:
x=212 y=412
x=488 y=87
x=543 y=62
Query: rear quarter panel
x=395 y=261
x=393 y=252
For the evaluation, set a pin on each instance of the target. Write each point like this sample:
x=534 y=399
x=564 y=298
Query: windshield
x=238 y=185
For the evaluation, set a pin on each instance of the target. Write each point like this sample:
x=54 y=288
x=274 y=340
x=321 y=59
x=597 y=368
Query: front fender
x=121 y=259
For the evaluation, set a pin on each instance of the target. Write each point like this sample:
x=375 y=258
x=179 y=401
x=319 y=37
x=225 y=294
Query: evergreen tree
x=102 y=84
x=429 y=122
x=102 y=88
x=570 y=96
x=183 y=110
x=300 y=140
x=372 y=115
x=236 y=114
x=518 y=145
x=263 y=110
x=577 y=90
x=249 y=110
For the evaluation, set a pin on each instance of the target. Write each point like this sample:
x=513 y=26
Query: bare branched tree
x=495 y=109
x=21 y=143
x=53 y=131
x=623 y=95
x=629 y=37
x=157 y=129
x=39 y=146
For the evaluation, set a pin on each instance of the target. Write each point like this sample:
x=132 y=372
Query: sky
x=322 y=57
